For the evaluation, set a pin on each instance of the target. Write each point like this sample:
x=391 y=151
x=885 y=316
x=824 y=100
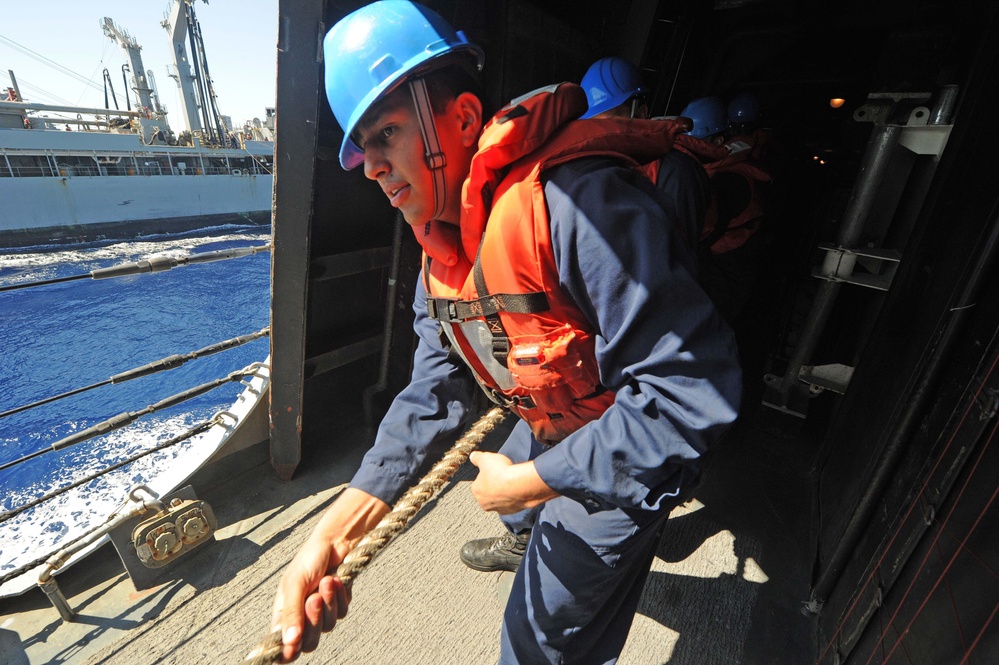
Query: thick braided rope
x=268 y=651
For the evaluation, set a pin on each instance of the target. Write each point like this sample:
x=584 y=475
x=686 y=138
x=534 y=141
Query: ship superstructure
x=124 y=172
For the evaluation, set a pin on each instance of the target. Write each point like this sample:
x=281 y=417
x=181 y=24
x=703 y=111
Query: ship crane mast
x=198 y=101
x=143 y=93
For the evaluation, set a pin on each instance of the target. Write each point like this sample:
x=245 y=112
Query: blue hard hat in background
x=610 y=82
x=709 y=115
x=369 y=52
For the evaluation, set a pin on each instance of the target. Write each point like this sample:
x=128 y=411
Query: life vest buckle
x=524 y=402
x=518 y=401
x=436 y=160
x=501 y=349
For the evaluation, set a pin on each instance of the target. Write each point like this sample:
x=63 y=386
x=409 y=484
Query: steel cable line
x=42 y=559
x=128 y=417
x=27 y=86
x=152 y=264
x=47 y=61
x=197 y=429
x=978 y=638
x=100 y=65
x=258 y=161
x=203 y=426
x=163 y=364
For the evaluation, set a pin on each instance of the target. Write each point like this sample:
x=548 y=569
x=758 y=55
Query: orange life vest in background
x=493 y=283
x=727 y=158
x=759 y=141
x=724 y=235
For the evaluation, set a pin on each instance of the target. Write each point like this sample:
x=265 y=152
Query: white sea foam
x=42 y=530
x=42 y=262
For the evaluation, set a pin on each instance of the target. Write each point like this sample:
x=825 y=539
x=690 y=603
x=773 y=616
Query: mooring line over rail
x=128 y=417
x=268 y=651
x=152 y=264
x=170 y=362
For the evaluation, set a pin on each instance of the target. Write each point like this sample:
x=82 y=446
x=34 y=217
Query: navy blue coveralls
x=673 y=364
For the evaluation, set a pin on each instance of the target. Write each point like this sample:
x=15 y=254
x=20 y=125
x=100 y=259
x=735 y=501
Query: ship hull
x=86 y=208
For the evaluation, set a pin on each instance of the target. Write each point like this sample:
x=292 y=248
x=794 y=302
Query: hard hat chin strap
x=433 y=154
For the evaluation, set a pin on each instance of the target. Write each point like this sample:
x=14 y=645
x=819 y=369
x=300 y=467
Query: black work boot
x=489 y=554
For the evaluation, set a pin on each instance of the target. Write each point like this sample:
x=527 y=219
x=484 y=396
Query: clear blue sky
x=240 y=38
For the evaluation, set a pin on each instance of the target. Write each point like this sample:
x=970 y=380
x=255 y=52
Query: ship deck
x=726 y=587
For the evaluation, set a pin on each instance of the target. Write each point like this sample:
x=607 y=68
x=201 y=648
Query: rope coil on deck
x=268 y=651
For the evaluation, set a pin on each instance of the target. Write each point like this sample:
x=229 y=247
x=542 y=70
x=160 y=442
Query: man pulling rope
x=269 y=649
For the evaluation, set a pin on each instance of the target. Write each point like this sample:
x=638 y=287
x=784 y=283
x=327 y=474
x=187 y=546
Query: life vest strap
x=501 y=341
x=445 y=309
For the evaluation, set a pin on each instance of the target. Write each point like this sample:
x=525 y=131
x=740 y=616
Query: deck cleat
x=148 y=544
x=182 y=526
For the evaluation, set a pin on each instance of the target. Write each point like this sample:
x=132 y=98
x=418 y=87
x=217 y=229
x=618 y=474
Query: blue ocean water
x=64 y=336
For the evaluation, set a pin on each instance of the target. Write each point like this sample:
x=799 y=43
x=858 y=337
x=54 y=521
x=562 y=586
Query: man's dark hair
x=446 y=83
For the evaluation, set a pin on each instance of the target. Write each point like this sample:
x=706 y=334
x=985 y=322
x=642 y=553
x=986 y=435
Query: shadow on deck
x=725 y=589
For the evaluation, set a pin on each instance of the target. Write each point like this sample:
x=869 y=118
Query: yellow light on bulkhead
x=836 y=102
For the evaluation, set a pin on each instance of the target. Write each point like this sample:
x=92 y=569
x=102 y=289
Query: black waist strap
x=444 y=309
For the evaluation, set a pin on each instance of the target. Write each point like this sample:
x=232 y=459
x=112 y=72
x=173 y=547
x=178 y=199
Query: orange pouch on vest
x=551 y=369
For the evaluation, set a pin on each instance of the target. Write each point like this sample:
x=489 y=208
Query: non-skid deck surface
x=724 y=590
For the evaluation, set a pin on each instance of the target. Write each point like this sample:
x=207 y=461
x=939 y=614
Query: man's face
x=629 y=109
x=389 y=135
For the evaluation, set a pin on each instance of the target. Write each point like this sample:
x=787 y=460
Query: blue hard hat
x=610 y=82
x=369 y=52
x=709 y=115
x=744 y=107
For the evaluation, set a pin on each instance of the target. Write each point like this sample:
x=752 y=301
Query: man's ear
x=468 y=108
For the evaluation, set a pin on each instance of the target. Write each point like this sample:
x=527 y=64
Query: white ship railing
x=61 y=170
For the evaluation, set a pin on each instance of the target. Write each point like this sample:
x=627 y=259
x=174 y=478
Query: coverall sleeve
x=422 y=419
x=687 y=190
x=660 y=342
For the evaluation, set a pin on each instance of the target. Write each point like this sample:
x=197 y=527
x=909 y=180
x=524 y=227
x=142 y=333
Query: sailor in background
x=730 y=245
x=615 y=89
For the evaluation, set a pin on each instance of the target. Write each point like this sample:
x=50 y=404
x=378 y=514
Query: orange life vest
x=493 y=283
x=744 y=224
x=759 y=142
x=723 y=159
